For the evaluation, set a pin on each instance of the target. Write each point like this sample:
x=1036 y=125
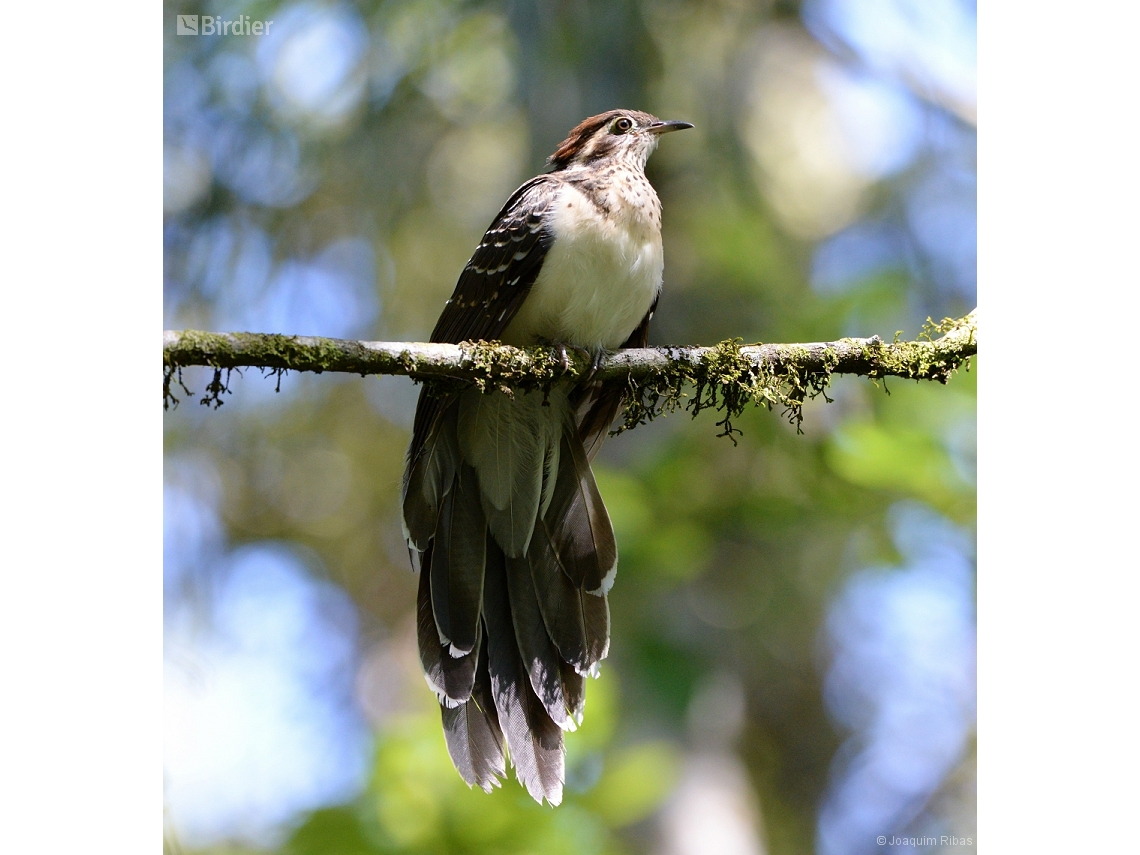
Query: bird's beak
x=666 y=127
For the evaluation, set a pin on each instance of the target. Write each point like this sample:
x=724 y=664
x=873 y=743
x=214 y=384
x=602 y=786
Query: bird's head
x=626 y=136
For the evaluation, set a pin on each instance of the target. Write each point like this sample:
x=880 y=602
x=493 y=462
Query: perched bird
x=503 y=518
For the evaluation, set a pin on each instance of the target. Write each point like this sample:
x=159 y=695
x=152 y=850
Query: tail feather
x=506 y=440
x=516 y=551
x=533 y=738
x=429 y=475
x=450 y=678
x=550 y=465
x=579 y=525
x=459 y=547
x=578 y=622
x=474 y=738
x=539 y=655
x=574 y=690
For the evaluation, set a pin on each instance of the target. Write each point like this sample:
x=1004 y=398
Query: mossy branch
x=727 y=377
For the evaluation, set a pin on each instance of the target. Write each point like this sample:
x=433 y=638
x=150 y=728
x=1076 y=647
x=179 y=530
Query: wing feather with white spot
x=503 y=267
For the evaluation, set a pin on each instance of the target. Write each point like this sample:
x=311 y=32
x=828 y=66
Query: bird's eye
x=622 y=125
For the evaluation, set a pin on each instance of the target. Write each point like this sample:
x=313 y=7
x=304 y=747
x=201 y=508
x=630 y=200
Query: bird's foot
x=563 y=348
x=595 y=364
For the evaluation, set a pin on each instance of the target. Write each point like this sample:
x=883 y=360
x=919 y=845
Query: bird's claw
x=563 y=348
x=563 y=356
x=595 y=365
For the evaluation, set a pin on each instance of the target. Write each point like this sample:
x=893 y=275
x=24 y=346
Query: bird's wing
x=494 y=283
x=503 y=267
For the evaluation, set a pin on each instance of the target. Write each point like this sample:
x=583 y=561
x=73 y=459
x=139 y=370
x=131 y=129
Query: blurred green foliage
x=417 y=804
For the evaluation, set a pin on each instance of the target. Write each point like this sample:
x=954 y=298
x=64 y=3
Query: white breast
x=601 y=274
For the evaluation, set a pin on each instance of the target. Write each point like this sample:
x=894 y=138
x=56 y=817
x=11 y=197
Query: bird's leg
x=563 y=348
x=595 y=364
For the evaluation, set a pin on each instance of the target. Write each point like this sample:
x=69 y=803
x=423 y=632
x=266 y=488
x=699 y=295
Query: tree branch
x=727 y=376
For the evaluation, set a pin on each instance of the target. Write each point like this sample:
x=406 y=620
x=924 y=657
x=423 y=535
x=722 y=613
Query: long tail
x=516 y=555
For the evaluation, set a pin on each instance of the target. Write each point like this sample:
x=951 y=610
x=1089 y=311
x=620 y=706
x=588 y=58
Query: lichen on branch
x=727 y=377
x=731 y=376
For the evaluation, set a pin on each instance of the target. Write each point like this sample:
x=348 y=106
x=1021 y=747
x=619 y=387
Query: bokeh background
x=793 y=656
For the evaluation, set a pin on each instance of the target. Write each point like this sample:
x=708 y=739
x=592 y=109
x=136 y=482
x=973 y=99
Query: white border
x=1057 y=576
x=81 y=609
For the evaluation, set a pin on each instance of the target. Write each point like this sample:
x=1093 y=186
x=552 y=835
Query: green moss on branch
x=726 y=378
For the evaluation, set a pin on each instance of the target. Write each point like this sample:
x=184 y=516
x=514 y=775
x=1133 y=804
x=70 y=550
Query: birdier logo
x=215 y=25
